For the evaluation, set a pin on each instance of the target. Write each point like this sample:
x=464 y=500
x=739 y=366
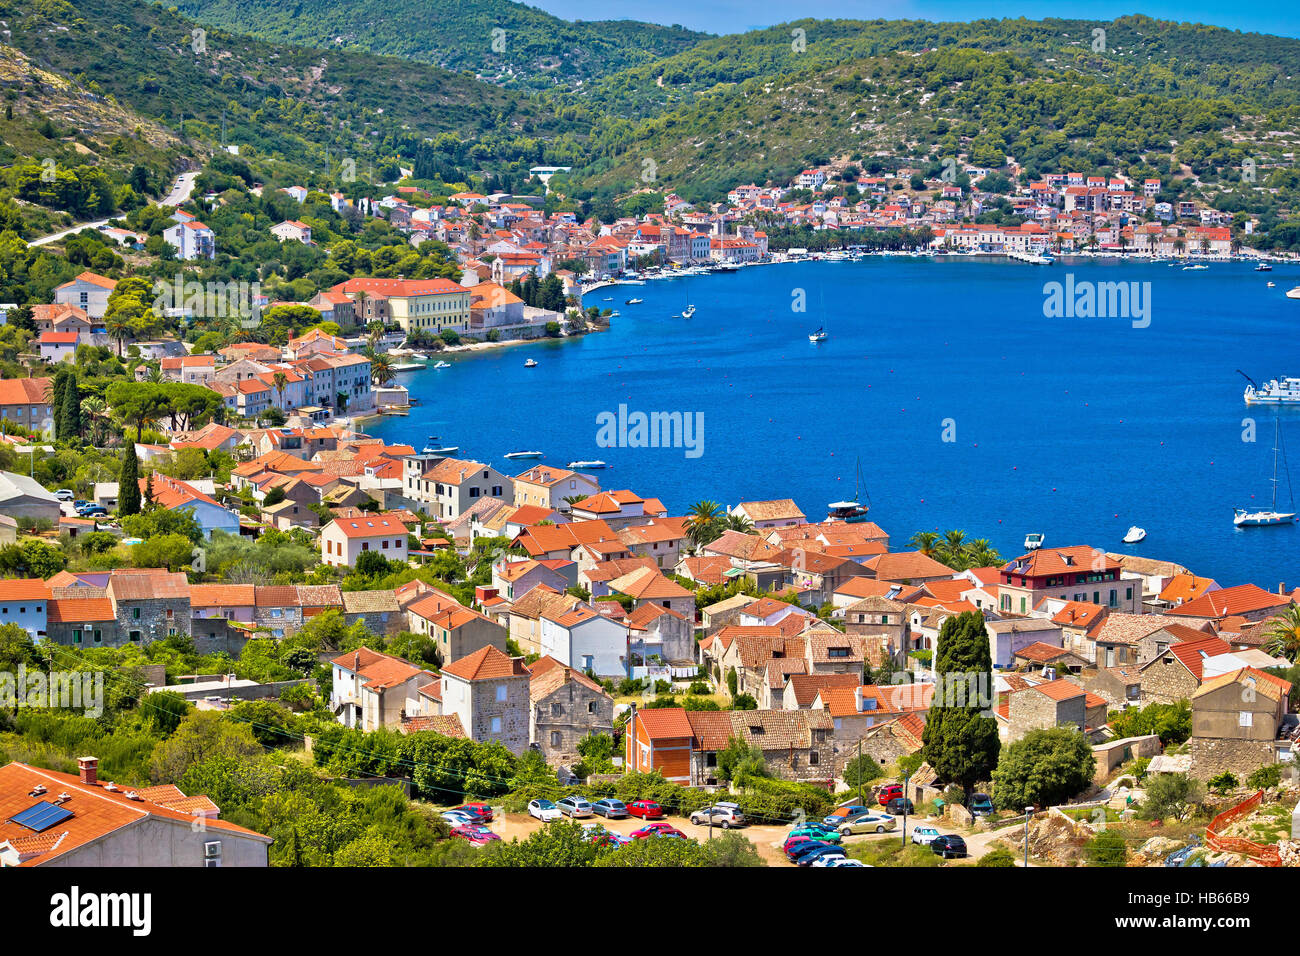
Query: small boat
x=1033 y=542
x=523 y=454
x=1251 y=519
x=1294 y=293
x=1272 y=285
x=586 y=464
x=531 y=363
x=442 y=365
x=428 y=450
x=608 y=298
x=1263 y=267
x=633 y=301
x=1194 y=268
x=448 y=450
x=1135 y=534
x=820 y=335
x=690 y=311
x=851 y=512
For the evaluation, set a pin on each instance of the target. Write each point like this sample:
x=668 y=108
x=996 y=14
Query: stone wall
x=514 y=712
x=565 y=712
x=1165 y=681
x=1212 y=756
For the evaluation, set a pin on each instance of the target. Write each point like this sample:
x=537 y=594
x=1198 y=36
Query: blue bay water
x=1074 y=427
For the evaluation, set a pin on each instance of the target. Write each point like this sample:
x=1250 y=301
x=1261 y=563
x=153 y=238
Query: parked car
x=725 y=815
x=870 y=822
x=888 y=792
x=948 y=845
x=458 y=819
x=981 y=805
x=798 y=850
x=64 y=494
x=795 y=838
x=924 y=836
x=80 y=503
x=900 y=805
x=596 y=833
x=575 y=807
x=645 y=810
x=481 y=812
x=845 y=861
x=610 y=809
x=826 y=852
x=817 y=831
x=476 y=835
x=543 y=810
x=94 y=511
x=843 y=813
x=655 y=830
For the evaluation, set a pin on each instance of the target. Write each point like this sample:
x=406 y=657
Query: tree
x=201 y=736
x=69 y=412
x=704 y=522
x=959 y=742
x=658 y=852
x=1173 y=722
x=1107 y=848
x=1171 y=795
x=1284 y=634
x=998 y=857
x=740 y=761
x=862 y=770
x=556 y=844
x=1045 y=767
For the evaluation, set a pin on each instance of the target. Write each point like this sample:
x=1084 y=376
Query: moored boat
x=586 y=464
x=531 y=363
x=1033 y=541
x=523 y=454
x=1252 y=519
x=1135 y=534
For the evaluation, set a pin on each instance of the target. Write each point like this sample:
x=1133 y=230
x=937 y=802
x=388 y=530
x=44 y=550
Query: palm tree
x=381 y=368
x=703 y=521
x=927 y=542
x=94 y=411
x=1180 y=245
x=1205 y=245
x=739 y=523
x=118 y=330
x=952 y=546
x=1284 y=634
x=981 y=554
x=280 y=381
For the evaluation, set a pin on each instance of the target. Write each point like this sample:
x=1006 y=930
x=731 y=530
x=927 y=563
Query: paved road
x=181 y=190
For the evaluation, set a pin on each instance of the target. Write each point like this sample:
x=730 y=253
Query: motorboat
x=1135 y=534
x=1263 y=267
x=586 y=465
x=523 y=454
x=442 y=365
x=531 y=363
x=1272 y=285
x=1276 y=391
x=1194 y=268
x=447 y=450
x=1033 y=541
x=851 y=512
x=1250 y=519
x=634 y=301
x=1293 y=293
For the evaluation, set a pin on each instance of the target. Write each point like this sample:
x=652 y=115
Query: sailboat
x=1249 y=519
x=821 y=335
x=852 y=512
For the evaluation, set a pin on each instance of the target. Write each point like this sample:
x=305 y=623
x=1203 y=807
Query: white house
x=586 y=640
x=344 y=540
x=191 y=239
x=88 y=292
x=23 y=601
x=292 y=229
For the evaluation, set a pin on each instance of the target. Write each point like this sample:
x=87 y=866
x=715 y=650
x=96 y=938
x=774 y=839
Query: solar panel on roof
x=41 y=817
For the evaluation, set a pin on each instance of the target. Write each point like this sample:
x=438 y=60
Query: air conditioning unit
x=212 y=851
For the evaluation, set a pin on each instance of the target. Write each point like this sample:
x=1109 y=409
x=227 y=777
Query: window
x=1245 y=719
x=814 y=758
x=135 y=613
x=555 y=738
x=501 y=692
x=556 y=710
x=496 y=725
x=134 y=637
x=591 y=706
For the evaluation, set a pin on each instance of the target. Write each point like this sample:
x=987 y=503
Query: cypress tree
x=959 y=743
x=128 y=484
x=57 y=388
x=69 y=416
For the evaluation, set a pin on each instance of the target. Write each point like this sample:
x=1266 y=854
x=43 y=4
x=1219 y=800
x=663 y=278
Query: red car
x=791 y=841
x=476 y=835
x=479 y=811
x=657 y=830
x=645 y=809
x=888 y=792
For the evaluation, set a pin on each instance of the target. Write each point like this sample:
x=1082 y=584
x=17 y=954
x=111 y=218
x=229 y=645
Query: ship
x=1276 y=391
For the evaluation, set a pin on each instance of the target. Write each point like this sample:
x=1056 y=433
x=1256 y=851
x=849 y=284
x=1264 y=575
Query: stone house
x=379 y=611
x=457 y=630
x=565 y=706
x=149 y=605
x=1119 y=686
x=1235 y=723
x=652 y=630
x=797 y=745
x=883 y=743
x=282 y=609
x=883 y=624
x=1154 y=643
x=489 y=692
x=1176 y=672
x=1053 y=704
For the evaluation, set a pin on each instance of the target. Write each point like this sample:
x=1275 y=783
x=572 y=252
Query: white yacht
x=523 y=454
x=1249 y=519
x=531 y=363
x=1293 y=293
x=633 y=301
x=690 y=311
x=1135 y=534
x=576 y=465
x=1276 y=391
x=1033 y=542
x=442 y=365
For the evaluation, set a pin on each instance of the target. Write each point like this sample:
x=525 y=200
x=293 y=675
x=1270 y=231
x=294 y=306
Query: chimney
x=88 y=770
x=356 y=662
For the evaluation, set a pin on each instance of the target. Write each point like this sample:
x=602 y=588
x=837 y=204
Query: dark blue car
x=808 y=858
x=797 y=850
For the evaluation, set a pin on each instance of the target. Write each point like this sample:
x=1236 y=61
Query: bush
x=861 y=771
x=1265 y=777
x=698 y=687
x=1222 y=782
x=1171 y=795
x=1107 y=848
x=998 y=857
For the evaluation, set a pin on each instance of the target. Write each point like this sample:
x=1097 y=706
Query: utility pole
x=1029 y=812
x=860 y=800
x=906 y=777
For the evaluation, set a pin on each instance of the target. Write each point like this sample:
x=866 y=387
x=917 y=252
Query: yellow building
x=430 y=304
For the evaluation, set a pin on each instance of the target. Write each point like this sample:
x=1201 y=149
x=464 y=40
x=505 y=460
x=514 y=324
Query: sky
x=730 y=16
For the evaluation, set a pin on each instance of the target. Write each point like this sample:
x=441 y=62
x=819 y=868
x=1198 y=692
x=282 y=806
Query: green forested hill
x=280 y=103
x=535 y=51
x=1143 y=54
